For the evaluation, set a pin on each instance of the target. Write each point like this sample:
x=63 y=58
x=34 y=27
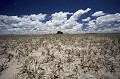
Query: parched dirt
x=83 y=56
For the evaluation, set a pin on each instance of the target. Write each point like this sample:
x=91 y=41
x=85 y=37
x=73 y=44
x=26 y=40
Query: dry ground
x=84 y=56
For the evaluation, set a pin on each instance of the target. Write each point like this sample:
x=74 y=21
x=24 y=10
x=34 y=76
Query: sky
x=50 y=16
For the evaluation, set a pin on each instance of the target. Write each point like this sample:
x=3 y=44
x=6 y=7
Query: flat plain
x=60 y=56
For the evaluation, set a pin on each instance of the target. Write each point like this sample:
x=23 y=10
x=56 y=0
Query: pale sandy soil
x=60 y=57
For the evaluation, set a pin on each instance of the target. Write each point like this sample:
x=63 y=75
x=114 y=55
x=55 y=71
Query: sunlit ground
x=83 y=56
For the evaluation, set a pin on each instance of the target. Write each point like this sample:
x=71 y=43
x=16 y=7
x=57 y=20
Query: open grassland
x=82 y=56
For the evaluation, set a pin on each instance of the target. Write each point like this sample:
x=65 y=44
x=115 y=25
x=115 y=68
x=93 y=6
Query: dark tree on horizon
x=59 y=32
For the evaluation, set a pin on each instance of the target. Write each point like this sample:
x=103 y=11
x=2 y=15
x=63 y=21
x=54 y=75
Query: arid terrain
x=60 y=56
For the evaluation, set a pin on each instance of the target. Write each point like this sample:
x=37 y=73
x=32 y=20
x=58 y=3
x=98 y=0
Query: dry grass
x=85 y=56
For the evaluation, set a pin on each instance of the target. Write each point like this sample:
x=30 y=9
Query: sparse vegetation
x=82 y=56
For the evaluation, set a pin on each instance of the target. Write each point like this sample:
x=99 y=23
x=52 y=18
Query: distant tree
x=59 y=32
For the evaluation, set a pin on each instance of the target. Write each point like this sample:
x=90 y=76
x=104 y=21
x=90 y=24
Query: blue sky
x=49 y=16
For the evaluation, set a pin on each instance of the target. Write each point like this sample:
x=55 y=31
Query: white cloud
x=99 y=13
x=28 y=24
x=33 y=24
x=108 y=18
x=34 y=17
x=106 y=23
x=77 y=14
x=91 y=24
x=59 y=21
x=60 y=15
x=71 y=25
x=87 y=19
x=109 y=30
x=23 y=24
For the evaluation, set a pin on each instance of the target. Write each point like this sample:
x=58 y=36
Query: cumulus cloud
x=77 y=14
x=92 y=23
x=98 y=13
x=109 y=30
x=60 y=15
x=87 y=19
x=109 y=18
x=19 y=25
x=106 y=23
x=57 y=19
x=71 y=25
x=39 y=23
